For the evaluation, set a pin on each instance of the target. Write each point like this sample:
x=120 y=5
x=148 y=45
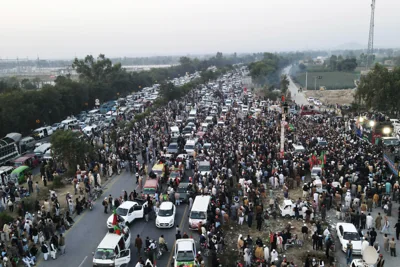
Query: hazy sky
x=63 y=29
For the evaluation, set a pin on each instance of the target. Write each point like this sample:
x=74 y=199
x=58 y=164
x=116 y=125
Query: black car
x=185 y=190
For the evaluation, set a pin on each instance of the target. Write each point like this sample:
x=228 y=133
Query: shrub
x=5 y=218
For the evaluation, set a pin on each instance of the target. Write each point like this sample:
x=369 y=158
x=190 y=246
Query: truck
x=287 y=209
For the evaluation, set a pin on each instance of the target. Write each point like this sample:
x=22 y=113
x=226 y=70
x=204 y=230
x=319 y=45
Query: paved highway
x=90 y=228
x=298 y=97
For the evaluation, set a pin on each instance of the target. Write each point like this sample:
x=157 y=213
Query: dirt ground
x=296 y=254
x=333 y=96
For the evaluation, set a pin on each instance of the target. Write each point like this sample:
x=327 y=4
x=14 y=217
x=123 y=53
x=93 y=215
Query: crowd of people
x=248 y=174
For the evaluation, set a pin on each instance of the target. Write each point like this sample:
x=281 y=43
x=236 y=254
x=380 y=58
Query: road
x=299 y=98
x=90 y=228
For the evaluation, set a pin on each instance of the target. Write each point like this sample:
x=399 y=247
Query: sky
x=55 y=29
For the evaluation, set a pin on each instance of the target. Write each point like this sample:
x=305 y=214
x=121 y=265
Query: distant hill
x=350 y=46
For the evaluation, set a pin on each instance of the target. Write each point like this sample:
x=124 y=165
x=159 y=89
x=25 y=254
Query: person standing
x=349 y=252
x=386 y=226
x=373 y=235
x=397 y=227
x=392 y=246
x=105 y=205
x=138 y=244
x=378 y=221
x=45 y=251
x=381 y=261
x=53 y=249
x=61 y=244
x=386 y=243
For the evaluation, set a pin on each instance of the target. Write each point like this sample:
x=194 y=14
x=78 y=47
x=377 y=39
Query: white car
x=166 y=215
x=310 y=99
x=225 y=110
x=128 y=211
x=346 y=232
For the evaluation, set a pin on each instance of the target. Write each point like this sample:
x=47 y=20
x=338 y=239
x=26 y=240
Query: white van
x=193 y=113
x=209 y=119
x=198 y=213
x=299 y=149
x=113 y=250
x=70 y=121
x=41 y=150
x=42 y=132
x=190 y=147
x=26 y=143
x=175 y=131
x=88 y=130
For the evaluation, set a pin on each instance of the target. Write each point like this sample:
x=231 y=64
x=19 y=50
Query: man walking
x=397 y=227
x=105 y=205
x=61 y=244
x=138 y=244
x=392 y=246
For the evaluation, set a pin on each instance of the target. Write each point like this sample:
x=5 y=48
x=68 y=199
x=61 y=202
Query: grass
x=331 y=80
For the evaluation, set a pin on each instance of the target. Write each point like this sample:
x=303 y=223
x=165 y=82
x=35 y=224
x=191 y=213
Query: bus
x=9 y=147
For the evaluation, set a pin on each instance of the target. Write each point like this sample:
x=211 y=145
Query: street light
x=386 y=130
x=371 y=123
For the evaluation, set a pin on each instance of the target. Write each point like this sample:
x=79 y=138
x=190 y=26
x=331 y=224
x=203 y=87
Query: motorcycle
x=161 y=250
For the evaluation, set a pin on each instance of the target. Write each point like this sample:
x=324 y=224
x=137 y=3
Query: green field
x=331 y=80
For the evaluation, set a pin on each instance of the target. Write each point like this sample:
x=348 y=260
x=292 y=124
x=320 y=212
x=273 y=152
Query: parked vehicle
x=18 y=175
x=128 y=211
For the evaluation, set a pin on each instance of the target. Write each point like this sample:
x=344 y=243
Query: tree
x=169 y=91
x=70 y=149
x=333 y=62
x=302 y=67
x=284 y=83
x=377 y=88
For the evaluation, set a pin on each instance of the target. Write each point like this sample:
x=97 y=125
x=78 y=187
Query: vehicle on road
x=185 y=191
x=151 y=186
x=204 y=167
x=346 y=232
x=128 y=211
x=166 y=215
x=18 y=175
x=199 y=211
x=114 y=249
x=185 y=252
x=172 y=148
x=42 y=132
x=41 y=150
x=287 y=209
x=8 y=147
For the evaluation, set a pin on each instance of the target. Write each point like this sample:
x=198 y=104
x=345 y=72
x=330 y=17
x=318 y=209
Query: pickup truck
x=287 y=210
x=128 y=211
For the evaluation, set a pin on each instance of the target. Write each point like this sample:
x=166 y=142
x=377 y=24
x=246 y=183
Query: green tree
x=284 y=83
x=302 y=67
x=333 y=62
x=377 y=88
x=70 y=148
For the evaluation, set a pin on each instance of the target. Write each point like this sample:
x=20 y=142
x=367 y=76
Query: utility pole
x=306 y=79
x=315 y=81
x=370 y=51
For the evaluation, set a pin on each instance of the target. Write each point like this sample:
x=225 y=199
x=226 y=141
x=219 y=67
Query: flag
x=322 y=158
x=115 y=217
x=314 y=158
